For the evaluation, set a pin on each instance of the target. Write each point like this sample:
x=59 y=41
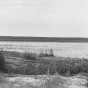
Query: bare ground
x=42 y=81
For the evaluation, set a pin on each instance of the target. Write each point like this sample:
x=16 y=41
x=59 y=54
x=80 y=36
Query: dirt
x=42 y=81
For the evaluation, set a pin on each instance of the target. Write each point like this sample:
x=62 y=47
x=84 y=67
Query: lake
x=59 y=49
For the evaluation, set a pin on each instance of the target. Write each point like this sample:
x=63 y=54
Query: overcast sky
x=52 y=18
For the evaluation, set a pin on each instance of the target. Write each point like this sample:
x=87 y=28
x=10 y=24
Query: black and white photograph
x=43 y=43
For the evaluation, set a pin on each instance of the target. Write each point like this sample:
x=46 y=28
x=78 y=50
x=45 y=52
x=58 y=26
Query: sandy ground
x=43 y=82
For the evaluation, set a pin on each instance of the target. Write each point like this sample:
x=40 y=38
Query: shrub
x=75 y=70
x=61 y=68
x=30 y=56
x=30 y=69
x=52 y=69
x=2 y=63
x=47 y=53
x=84 y=66
x=42 y=69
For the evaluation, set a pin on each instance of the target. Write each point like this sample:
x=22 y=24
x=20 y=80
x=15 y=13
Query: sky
x=45 y=18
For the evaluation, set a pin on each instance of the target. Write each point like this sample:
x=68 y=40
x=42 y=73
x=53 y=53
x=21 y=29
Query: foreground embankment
x=43 y=81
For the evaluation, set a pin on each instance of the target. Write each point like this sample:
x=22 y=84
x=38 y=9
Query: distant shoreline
x=44 y=39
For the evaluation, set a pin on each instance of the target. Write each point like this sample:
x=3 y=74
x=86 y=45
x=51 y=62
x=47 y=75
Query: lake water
x=59 y=49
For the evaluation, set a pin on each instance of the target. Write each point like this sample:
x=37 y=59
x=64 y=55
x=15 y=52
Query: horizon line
x=43 y=39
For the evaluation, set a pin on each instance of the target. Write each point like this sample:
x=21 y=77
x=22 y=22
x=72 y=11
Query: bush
x=2 y=63
x=36 y=69
x=30 y=56
x=62 y=68
x=75 y=70
x=47 y=53
x=42 y=69
x=84 y=66
x=30 y=69
x=52 y=69
x=65 y=68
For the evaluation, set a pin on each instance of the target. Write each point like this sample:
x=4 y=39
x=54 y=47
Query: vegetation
x=47 y=53
x=2 y=63
x=35 y=65
x=30 y=56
